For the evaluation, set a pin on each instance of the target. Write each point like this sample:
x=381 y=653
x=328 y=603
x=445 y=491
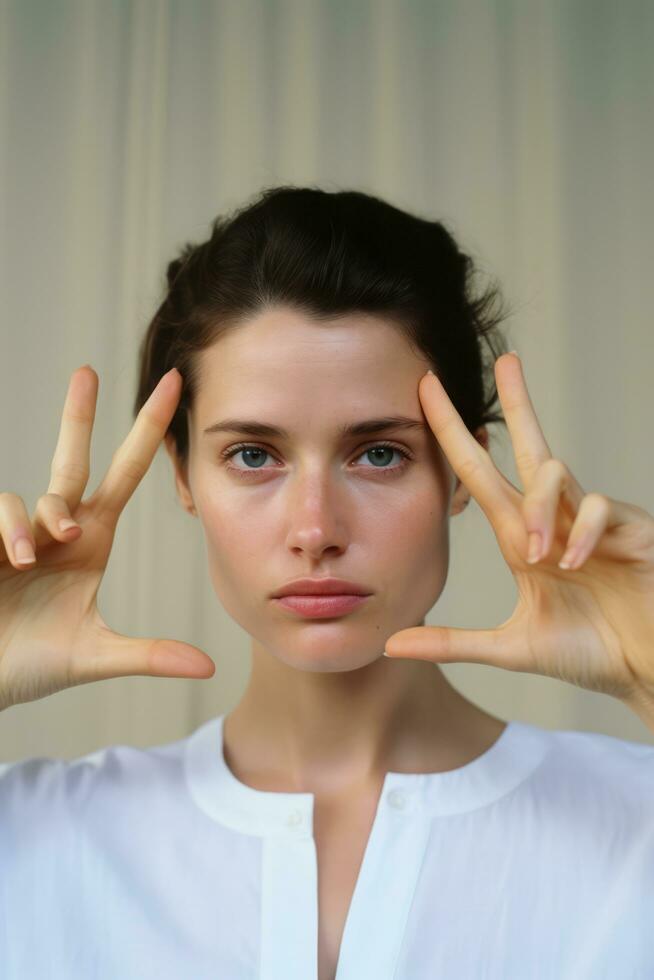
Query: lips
x=322 y=587
x=321 y=606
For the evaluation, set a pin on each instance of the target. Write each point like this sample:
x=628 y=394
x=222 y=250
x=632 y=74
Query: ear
x=181 y=477
x=461 y=495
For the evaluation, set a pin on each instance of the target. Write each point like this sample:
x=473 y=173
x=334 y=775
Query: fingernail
x=534 y=547
x=65 y=523
x=569 y=558
x=24 y=552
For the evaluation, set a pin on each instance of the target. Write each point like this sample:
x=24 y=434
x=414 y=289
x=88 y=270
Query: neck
x=308 y=731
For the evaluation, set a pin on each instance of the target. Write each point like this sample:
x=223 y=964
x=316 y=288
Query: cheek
x=231 y=516
x=417 y=533
x=234 y=549
x=420 y=559
x=237 y=535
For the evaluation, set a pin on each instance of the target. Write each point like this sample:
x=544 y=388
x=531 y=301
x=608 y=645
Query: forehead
x=315 y=380
x=282 y=355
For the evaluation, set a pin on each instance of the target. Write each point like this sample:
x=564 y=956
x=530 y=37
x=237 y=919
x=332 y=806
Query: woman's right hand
x=51 y=633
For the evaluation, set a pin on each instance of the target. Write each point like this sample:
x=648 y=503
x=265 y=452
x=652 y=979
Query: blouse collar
x=511 y=759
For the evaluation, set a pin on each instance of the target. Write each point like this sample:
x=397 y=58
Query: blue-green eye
x=257 y=453
x=385 y=451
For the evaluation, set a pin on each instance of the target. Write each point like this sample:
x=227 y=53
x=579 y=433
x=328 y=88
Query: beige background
x=126 y=127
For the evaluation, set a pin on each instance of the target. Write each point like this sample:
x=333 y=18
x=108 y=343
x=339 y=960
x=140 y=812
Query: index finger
x=470 y=461
x=530 y=447
x=70 y=467
x=133 y=457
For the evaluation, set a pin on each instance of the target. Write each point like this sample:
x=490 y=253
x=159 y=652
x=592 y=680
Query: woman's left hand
x=592 y=624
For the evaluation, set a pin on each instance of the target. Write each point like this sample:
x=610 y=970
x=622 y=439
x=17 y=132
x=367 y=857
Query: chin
x=327 y=654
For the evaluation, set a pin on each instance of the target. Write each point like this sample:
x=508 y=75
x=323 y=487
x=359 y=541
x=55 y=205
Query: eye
x=386 y=448
x=259 y=452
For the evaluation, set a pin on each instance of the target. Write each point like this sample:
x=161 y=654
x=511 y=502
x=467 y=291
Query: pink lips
x=321 y=606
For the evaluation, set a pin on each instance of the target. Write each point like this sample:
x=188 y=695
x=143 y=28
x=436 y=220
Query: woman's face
x=315 y=503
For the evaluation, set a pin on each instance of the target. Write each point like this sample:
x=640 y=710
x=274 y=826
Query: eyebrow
x=252 y=427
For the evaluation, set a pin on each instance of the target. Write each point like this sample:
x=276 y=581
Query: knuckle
x=555 y=466
x=81 y=417
x=597 y=501
x=550 y=475
x=12 y=509
x=131 y=468
x=48 y=501
x=580 y=529
x=69 y=470
x=469 y=467
x=527 y=461
x=44 y=499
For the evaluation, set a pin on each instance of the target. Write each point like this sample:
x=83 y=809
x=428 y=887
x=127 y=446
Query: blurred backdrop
x=126 y=126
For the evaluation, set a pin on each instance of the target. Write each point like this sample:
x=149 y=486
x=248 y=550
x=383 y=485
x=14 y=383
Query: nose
x=317 y=516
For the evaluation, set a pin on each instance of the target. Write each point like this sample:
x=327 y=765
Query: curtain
x=127 y=126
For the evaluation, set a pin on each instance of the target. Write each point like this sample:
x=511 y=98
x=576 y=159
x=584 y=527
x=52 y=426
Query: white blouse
x=536 y=860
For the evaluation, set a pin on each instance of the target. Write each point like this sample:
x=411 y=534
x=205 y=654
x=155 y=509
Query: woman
x=352 y=816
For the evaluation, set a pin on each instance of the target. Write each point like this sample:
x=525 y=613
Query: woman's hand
x=52 y=635
x=591 y=624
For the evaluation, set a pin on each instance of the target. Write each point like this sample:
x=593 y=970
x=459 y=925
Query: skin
x=324 y=710
x=583 y=563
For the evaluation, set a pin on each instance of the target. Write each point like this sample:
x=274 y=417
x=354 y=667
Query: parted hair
x=325 y=254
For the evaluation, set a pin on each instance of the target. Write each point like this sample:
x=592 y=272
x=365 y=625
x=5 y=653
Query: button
x=396 y=799
x=294 y=818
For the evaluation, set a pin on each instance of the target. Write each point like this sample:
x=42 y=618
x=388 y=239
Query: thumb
x=121 y=656
x=448 y=645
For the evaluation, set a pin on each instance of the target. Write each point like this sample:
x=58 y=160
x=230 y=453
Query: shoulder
x=48 y=786
x=600 y=768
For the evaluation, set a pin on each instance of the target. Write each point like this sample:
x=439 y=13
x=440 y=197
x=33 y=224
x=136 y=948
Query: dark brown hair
x=328 y=253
